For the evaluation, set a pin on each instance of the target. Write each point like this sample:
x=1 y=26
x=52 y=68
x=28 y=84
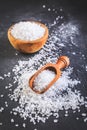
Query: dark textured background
x=14 y=11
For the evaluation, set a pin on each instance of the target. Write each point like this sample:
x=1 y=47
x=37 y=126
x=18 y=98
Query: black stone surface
x=14 y=11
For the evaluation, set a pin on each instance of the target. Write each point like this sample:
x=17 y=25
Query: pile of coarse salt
x=27 y=31
x=61 y=96
x=39 y=107
x=43 y=79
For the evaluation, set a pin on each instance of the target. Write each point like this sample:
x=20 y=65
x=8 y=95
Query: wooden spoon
x=62 y=62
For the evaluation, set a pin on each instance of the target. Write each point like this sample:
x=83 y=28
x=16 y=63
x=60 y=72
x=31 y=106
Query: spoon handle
x=63 y=62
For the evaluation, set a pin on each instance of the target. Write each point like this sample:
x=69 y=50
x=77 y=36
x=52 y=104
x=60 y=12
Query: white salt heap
x=39 y=107
x=61 y=96
x=43 y=79
x=27 y=31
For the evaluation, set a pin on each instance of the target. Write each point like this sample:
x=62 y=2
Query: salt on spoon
x=62 y=62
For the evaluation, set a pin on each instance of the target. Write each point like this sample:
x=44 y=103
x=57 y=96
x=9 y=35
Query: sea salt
x=16 y=125
x=24 y=125
x=83 y=114
x=63 y=95
x=35 y=129
x=60 y=96
x=27 y=31
x=43 y=79
x=1 y=78
x=85 y=120
x=12 y=120
x=49 y=9
x=86 y=67
x=1 y=109
x=1 y=95
x=77 y=118
x=1 y=123
x=66 y=115
x=35 y=102
x=55 y=121
x=7 y=75
x=44 y=6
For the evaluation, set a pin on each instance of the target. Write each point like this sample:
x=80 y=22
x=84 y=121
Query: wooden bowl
x=28 y=46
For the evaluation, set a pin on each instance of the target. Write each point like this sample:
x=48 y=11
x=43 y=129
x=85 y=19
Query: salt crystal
x=24 y=125
x=7 y=75
x=49 y=9
x=16 y=54
x=1 y=123
x=74 y=53
x=1 y=78
x=12 y=120
x=83 y=114
x=85 y=119
x=10 y=112
x=66 y=114
x=53 y=9
x=35 y=129
x=61 y=9
x=2 y=95
x=1 y=109
x=56 y=12
x=44 y=6
x=16 y=125
x=27 y=31
x=77 y=118
x=86 y=68
x=55 y=121
x=6 y=87
x=15 y=113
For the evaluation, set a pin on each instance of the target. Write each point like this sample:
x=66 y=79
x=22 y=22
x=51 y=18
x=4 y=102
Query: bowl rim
x=30 y=41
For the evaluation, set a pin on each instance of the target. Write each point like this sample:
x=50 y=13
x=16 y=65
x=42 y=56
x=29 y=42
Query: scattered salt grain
x=16 y=125
x=24 y=125
x=85 y=119
x=27 y=31
x=83 y=114
x=35 y=129
x=10 y=112
x=6 y=87
x=1 y=95
x=66 y=115
x=12 y=120
x=6 y=104
x=86 y=68
x=16 y=54
x=56 y=12
x=7 y=75
x=74 y=53
x=49 y=9
x=43 y=79
x=53 y=9
x=63 y=95
x=61 y=9
x=1 y=109
x=44 y=6
x=1 y=78
x=74 y=111
x=55 y=121
x=77 y=118
x=1 y=123
x=15 y=113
